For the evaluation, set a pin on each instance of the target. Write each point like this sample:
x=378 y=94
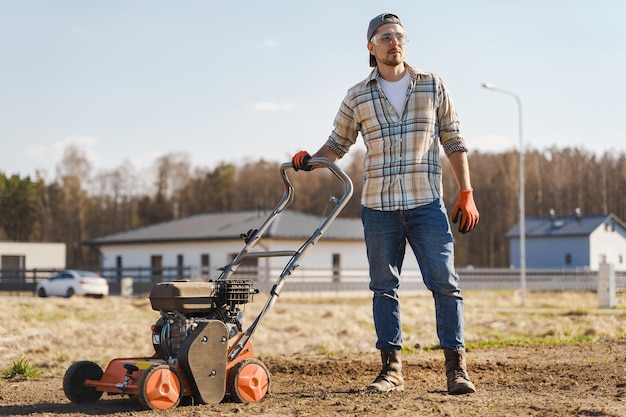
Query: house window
x=180 y=266
x=336 y=267
x=205 y=265
x=568 y=259
x=620 y=259
x=156 y=268
x=13 y=265
x=12 y=261
x=118 y=266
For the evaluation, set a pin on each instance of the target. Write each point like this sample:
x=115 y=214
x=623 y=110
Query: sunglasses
x=388 y=38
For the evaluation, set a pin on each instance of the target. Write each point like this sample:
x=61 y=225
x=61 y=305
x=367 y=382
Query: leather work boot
x=456 y=371
x=390 y=378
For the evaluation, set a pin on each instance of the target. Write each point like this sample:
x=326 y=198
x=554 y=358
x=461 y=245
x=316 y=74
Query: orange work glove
x=301 y=161
x=465 y=210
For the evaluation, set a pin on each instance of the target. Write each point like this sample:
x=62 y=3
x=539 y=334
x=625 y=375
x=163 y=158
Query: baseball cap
x=377 y=22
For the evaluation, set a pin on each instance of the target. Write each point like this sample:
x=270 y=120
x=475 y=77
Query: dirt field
x=320 y=356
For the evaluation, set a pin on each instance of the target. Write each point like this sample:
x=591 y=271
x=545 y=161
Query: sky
x=128 y=81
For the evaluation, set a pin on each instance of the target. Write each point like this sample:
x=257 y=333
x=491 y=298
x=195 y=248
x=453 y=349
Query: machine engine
x=184 y=305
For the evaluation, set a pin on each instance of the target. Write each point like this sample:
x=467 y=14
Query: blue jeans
x=427 y=230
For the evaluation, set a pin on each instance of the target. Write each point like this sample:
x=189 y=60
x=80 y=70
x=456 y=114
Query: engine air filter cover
x=183 y=296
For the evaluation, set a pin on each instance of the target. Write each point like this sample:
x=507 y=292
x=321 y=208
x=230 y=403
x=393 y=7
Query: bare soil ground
x=319 y=351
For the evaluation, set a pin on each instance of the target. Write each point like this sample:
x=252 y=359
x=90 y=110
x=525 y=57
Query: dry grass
x=52 y=333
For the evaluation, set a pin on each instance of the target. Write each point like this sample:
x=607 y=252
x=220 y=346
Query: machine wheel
x=69 y=293
x=42 y=292
x=159 y=388
x=248 y=381
x=74 y=382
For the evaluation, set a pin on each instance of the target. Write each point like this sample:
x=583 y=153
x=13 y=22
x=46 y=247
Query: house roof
x=555 y=226
x=228 y=226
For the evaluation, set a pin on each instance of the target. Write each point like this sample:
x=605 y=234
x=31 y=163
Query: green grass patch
x=326 y=352
x=409 y=349
x=21 y=367
x=512 y=342
x=529 y=341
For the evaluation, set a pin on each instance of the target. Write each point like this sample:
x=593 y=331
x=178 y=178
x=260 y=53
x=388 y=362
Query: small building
x=23 y=263
x=32 y=255
x=198 y=246
x=570 y=242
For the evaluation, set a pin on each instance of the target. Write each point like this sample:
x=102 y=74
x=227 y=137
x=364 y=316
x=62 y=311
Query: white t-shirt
x=396 y=92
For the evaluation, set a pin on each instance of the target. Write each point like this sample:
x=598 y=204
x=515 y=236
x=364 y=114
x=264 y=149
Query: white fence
x=471 y=279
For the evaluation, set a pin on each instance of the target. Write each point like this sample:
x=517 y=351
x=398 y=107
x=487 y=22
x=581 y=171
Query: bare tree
x=73 y=171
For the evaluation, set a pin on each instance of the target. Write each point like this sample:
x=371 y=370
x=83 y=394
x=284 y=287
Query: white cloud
x=55 y=151
x=270 y=44
x=47 y=157
x=146 y=160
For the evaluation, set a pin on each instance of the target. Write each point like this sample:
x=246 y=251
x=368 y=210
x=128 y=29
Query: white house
x=204 y=243
x=22 y=263
x=571 y=242
x=32 y=255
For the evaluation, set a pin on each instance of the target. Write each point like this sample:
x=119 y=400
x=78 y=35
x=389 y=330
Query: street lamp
x=522 y=215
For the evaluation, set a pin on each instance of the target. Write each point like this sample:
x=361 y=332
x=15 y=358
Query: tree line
x=80 y=204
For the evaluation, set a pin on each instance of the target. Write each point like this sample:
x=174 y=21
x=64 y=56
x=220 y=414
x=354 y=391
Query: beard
x=392 y=60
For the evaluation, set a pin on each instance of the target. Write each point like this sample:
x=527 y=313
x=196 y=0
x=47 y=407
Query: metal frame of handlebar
x=255 y=235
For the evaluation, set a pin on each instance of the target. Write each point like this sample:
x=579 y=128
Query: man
x=403 y=115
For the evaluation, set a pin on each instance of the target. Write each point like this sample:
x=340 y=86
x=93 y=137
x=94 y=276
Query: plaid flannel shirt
x=402 y=169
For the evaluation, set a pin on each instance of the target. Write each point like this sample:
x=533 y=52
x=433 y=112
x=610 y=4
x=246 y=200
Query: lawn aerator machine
x=202 y=354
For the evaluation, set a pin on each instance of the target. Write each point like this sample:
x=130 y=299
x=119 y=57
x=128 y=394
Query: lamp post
x=522 y=215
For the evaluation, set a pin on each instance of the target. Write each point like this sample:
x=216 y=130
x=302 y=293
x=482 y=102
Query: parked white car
x=73 y=282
